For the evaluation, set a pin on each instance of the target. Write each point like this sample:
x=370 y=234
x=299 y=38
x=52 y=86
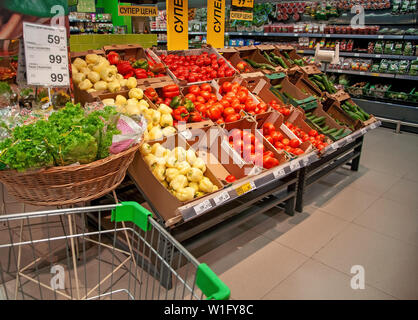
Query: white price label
x=224 y=196
x=187 y=134
x=357 y=54
x=264 y=34
x=333 y=146
x=202 y=207
x=46 y=55
x=380 y=37
x=240 y=33
x=339 y=71
x=378 y=56
x=363 y=131
x=296 y=34
x=349 y=138
x=250 y=33
x=279 y=173
x=305 y=161
x=362 y=73
x=294 y=165
x=327 y=36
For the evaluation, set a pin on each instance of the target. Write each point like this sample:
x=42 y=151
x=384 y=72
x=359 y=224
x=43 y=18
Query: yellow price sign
x=138 y=11
x=240 y=15
x=246 y=187
x=177 y=24
x=243 y=3
x=216 y=23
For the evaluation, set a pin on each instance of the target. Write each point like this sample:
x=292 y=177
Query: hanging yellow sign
x=243 y=3
x=240 y=15
x=177 y=24
x=138 y=11
x=216 y=23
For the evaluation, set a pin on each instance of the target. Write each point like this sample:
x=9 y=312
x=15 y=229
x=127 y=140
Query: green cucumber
x=325 y=128
x=338 y=133
x=317 y=120
x=330 y=131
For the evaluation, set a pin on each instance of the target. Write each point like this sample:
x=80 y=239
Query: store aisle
x=367 y=218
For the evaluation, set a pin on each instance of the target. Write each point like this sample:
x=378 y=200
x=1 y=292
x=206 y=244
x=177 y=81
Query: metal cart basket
x=99 y=252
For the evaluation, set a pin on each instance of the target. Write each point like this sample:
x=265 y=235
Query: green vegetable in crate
x=257 y=65
x=141 y=63
x=278 y=60
x=265 y=54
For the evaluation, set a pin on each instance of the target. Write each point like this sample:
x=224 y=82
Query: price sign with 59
x=46 y=55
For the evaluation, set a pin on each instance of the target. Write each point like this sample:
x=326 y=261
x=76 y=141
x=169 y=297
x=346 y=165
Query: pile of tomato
x=279 y=141
x=196 y=68
x=251 y=148
x=284 y=110
x=317 y=140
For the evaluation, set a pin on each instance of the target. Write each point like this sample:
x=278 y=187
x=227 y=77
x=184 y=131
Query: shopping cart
x=99 y=252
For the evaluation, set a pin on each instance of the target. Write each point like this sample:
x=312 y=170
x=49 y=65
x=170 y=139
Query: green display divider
x=97 y=41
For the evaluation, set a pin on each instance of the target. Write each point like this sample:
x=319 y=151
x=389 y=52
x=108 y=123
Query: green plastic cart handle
x=210 y=284
x=133 y=212
x=206 y=280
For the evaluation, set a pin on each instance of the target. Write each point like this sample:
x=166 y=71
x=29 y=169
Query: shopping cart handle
x=133 y=212
x=210 y=284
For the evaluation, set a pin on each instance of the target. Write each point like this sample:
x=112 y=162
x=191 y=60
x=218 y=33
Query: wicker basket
x=66 y=185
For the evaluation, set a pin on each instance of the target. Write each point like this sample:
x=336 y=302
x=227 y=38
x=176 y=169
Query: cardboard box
x=301 y=80
x=234 y=59
x=311 y=69
x=155 y=53
x=256 y=56
x=163 y=201
x=332 y=107
x=341 y=96
x=329 y=121
x=291 y=53
x=213 y=148
x=251 y=125
x=289 y=93
x=277 y=120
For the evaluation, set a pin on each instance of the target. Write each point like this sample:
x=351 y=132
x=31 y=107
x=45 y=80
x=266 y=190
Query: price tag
x=240 y=33
x=349 y=138
x=264 y=34
x=380 y=37
x=279 y=173
x=363 y=131
x=187 y=134
x=224 y=196
x=375 y=74
x=339 y=71
x=378 y=56
x=327 y=36
x=296 y=34
x=202 y=207
x=294 y=165
x=357 y=55
x=247 y=187
x=250 y=33
x=362 y=73
x=46 y=55
x=305 y=161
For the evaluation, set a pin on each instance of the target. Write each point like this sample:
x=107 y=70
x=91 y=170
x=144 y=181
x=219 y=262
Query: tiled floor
x=367 y=218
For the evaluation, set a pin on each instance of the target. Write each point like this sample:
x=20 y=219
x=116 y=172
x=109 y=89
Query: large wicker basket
x=71 y=184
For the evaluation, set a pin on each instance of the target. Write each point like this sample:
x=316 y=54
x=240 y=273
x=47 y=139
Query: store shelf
x=410 y=37
x=363 y=73
x=310 y=35
x=366 y=55
x=406 y=77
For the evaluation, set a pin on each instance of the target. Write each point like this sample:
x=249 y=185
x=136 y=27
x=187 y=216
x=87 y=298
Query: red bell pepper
x=151 y=94
x=167 y=101
x=150 y=74
x=113 y=57
x=181 y=114
x=171 y=94
x=195 y=116
x=124 y=67
x=128 y=75
x=171 y=88
x=140 y=73
x=230 y=178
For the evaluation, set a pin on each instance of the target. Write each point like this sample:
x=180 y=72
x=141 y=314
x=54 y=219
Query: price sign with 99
x=46 y=55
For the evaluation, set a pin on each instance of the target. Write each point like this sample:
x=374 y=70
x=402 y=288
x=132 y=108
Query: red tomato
x=277 y=136
x=205 y=87
x=286 y=141
x=225 y=103
x=289 y=125
x=191 y=97
x=313 y=133
x=194 y=89
x=238 y=145
x=269 y=139
x=297 y=151
x=214 y=113
x=226 y=86
x=230 y=178
x=242 y=96
x=268 y=127
x=232 y=117
x=200 y=99
x=235 y=134
x=279 y=145
x=294 y=143
x=205 y=95
x=220 y=121
x=228 y=111
x=213 y=97
x=250 y=106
